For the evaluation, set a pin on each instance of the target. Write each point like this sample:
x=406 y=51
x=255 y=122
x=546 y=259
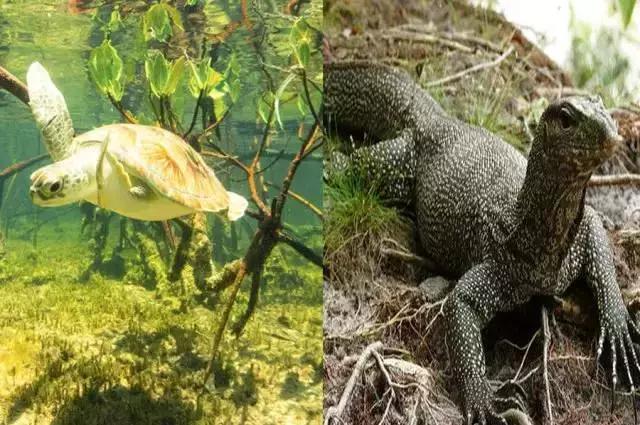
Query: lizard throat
x=548 y=212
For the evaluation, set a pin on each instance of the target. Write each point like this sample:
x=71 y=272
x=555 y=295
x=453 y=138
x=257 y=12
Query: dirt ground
x=383 y=329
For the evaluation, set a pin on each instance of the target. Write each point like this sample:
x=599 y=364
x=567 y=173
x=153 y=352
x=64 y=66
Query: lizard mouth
x=611 y=144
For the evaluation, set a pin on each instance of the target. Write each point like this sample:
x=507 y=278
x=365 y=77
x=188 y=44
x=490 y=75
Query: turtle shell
x=165 y=162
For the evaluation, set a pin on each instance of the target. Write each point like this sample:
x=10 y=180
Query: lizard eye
x=566 y=118
x=54 y=187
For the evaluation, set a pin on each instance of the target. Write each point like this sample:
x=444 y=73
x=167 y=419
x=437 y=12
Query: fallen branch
x=399 y=35
x=401 y=317
x=475 y=68
x=558 y=92
x=524 y=357
x=405 y=256
x=614 y=180
x=452 y=36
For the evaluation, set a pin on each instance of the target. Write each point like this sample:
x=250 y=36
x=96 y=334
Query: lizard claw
x=509 y=396
x=485 y=418
x=616 y=338
x=507 y=406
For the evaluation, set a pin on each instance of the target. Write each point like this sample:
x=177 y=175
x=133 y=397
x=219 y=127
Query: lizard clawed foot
x=618 y=335
x=511 y=396
x=506 y=407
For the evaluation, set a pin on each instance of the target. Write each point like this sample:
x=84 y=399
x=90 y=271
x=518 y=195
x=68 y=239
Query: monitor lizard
x=507 y=228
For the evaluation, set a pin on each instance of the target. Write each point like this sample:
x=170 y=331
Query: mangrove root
x=150 y=257
x=98 y=242
x=238 y=327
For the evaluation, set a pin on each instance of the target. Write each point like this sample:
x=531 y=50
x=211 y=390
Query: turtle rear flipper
x=50 y=112
x=237 y=206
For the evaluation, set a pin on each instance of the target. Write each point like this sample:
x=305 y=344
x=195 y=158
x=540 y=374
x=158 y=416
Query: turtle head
x=57 y=184
x=577 y=134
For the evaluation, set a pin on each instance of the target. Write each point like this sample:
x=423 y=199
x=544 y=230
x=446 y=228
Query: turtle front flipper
x=50 y=112
x=137 y=188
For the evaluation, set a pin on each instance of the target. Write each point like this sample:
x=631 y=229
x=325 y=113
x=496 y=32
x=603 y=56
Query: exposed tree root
x=238 y=327
x=201 y=252
x=98 y=241
x=336 y=412
x=150 y=256
x=614 y=180
x=421 y=401
x=545 y=364
x=237 y=274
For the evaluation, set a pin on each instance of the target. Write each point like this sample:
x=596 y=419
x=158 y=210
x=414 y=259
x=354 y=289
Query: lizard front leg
x=591 y=256
x=479 y=295
x=387 y=166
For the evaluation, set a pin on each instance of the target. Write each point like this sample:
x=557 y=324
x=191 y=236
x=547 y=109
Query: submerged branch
x=314 y=209
x=254 y=168
x=293 y=167
x=240 y=273
x=238 y=327
x=301 y=249
x=195 y=115
x=12 y=169
x=125 y=114
x=213 y=126
x=221 y=154
x=308 y=98
x=13 y=85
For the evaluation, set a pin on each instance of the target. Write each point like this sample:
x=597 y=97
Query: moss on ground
x=108 y=352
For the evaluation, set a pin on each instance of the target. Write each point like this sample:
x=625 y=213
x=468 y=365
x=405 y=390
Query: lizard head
x=578 y=134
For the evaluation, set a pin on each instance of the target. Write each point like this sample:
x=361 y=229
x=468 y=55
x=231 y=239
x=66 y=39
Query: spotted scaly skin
x=388 y=116
x=506 y=228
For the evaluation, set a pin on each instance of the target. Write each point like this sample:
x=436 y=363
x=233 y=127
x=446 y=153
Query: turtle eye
x=566 y=118
x=54 y=187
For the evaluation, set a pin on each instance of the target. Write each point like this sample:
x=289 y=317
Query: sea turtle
x=138 y=171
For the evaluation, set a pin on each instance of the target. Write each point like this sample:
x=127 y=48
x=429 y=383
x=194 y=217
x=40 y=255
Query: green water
x=110 y=348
